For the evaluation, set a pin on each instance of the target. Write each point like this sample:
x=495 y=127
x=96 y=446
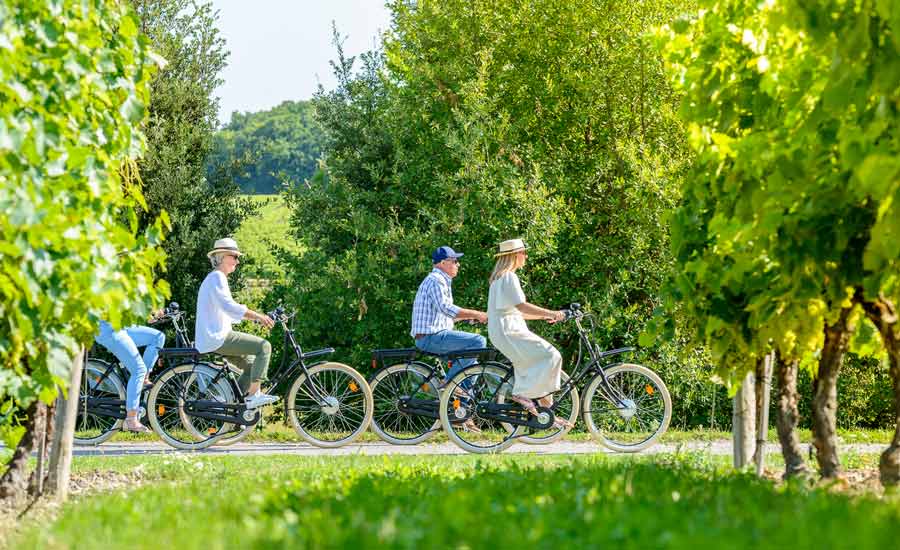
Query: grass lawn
x=278 y=432
x=456 y=501
x=257 y=236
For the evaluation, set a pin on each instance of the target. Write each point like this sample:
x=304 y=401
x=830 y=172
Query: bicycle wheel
x=641 y=418
x=344 y=413
x=569 y=403
x=175 y=387
x=474 y=385
x=92 y=428
x=403 y=381
x=238 y=432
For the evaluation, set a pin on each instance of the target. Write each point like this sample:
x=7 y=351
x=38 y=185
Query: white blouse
x=216 y=312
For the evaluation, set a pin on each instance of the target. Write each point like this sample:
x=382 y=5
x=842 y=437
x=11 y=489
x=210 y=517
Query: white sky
x=280 y=49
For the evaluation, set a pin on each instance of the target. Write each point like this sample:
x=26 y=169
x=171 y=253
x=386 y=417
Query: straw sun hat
x=510 y=247
x=224 y=245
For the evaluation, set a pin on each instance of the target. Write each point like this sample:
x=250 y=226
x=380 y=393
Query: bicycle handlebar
x=573 y=311
x=170 y=312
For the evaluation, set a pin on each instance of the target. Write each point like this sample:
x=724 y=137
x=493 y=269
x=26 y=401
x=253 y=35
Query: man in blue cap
x=434 y=312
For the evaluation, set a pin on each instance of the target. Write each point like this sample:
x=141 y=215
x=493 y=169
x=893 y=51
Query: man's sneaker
x=259 y=399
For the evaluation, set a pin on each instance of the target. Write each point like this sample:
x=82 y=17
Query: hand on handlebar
x=264 y=320
x=557 y=316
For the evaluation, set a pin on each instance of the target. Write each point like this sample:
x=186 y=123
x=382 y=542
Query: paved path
x=721 y=447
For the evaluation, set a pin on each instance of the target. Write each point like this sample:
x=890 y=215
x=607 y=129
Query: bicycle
x=407 y=393
x=101 y=398
x=193 y=406
x=626 y=407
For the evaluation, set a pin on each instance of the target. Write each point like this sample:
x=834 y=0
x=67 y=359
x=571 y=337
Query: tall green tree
x=788 y=221
x=482 y=121
x=183 y=114
x=73 y=93
x=282 y=144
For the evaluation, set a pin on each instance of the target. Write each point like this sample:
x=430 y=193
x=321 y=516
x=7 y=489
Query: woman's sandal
x=469 y=426
x=560 y=422
x=526 y=404
x=135 y=426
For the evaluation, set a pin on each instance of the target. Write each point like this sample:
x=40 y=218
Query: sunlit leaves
x=796 y=172
x=73 y=83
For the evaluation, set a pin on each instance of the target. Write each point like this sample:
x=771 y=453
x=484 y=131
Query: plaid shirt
x=433 y=309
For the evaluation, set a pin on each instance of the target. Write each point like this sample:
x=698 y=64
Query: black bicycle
x=101 y=396
x=406 y=390
x=193 y=406
x=626 y=407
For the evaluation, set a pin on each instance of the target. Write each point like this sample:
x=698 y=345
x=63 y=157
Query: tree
x=73 y=94
x=282 y=144
x=183 y=113
x=788 y=223
x=481 y=121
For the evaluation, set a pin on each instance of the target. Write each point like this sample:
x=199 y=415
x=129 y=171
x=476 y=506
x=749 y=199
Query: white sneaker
x=259 y=399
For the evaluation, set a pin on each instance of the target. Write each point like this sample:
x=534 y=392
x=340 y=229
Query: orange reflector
x=353 y=387
x=456 y=403
x=97 y=379
x=211 y=430
x=649 y=389
x=161 y=410
x=425 y=387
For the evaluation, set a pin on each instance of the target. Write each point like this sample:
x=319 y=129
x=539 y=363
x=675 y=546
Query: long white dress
x=537 y=364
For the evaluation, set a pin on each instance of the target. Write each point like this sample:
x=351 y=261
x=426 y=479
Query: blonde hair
x=505 y=264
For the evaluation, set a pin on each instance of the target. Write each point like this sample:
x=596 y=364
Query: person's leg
x=251 y=354
x=449 y=341
x=120 y=344
x=151 y=340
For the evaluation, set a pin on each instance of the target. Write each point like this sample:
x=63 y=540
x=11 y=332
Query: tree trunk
x=744 y=422
x=67 y=410
x=824 y=413
x=763 y=391
x=788 y=417
x=14 y=481
x=883 y=315
x=40 y=475
x=36 y=482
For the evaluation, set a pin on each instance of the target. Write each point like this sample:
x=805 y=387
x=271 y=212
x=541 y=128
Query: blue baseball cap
x=444 y=252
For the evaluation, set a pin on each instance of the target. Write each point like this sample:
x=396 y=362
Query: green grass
x=278 y=432
x=256 y=236
x=457 y=501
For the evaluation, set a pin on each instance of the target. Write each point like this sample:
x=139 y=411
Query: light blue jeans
x=449 y=341
x=124 y=344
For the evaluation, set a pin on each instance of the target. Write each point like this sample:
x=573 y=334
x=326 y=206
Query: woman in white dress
x=537 y=364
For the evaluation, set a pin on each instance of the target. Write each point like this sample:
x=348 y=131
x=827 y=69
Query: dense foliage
x=482 y=121
x=183 y=113
x=73 y=93
x=282 y=144
x=791 y=208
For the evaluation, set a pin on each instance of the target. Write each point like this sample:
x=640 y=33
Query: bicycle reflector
x=353 y=386
x=649 y=389
x=211 y=430
x=456 y=403
x=161 y=410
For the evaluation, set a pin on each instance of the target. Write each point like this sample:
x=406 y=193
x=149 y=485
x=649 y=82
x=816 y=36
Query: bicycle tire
x=87 y=423
x=388 y=386
x=349 y=405
x=644 y=391
x=486 y=381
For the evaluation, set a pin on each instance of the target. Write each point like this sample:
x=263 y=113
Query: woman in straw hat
x=537 y=364
x=217 y=311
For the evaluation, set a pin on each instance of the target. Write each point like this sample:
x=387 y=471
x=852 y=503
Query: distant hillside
x=274 y=145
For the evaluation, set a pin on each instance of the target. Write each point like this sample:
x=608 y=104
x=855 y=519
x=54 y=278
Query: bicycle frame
x=283 y=374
